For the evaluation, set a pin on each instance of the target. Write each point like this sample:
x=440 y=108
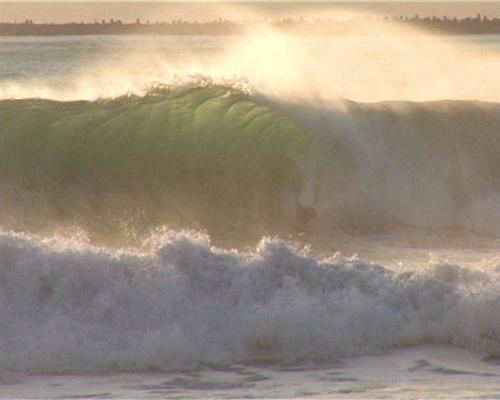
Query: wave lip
x=188 y=304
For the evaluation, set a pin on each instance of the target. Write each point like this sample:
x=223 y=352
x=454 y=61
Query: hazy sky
x=77 y=11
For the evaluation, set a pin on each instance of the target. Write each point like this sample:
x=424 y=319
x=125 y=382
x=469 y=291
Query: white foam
x=82 y=309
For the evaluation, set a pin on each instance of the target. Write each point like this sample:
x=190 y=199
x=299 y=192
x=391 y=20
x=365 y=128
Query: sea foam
x=68 y=308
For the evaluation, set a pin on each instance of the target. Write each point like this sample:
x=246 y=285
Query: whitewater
x=259 y=216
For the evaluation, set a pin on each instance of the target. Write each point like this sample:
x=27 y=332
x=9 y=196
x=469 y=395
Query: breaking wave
x=189 y=157
x=234 y=164
x=216 y=158
x=69 y=308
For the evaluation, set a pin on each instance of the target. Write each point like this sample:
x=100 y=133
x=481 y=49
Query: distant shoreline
x=439 y=25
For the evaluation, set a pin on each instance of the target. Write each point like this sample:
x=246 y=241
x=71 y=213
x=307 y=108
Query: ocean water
x=250 y=217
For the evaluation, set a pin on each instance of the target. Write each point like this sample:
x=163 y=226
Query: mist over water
x=173 y=203
x=386 y=62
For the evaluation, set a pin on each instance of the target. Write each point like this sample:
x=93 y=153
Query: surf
x=196 y=155
x=181 y=304
x=213 y=157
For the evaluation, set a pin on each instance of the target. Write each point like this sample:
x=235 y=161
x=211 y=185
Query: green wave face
x=166 y=158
